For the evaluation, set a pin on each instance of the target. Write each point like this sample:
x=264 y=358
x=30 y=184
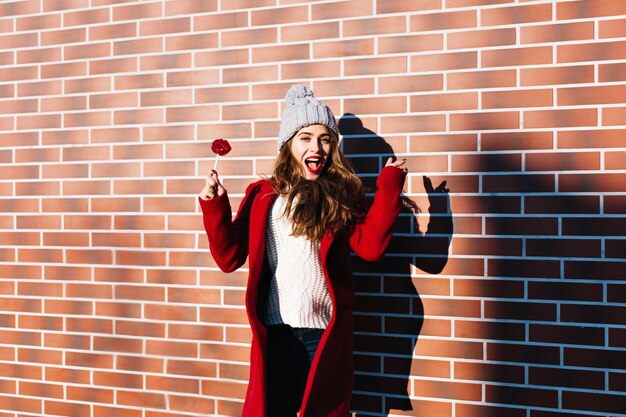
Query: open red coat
x=329 y=387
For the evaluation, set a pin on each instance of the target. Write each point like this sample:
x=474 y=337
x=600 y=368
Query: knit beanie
x=303 y=110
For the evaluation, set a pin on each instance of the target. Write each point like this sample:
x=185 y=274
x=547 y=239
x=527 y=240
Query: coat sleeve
x=228 y=238
x=372 y=235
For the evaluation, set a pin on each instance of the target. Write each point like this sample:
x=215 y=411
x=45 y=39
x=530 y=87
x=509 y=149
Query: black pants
x=289 y=355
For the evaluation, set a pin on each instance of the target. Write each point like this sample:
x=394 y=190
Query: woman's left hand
x=400 y=164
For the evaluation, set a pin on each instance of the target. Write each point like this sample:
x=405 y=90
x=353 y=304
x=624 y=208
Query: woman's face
x=310 y=146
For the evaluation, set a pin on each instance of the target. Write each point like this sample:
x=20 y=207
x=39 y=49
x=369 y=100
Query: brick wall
x=110 y=303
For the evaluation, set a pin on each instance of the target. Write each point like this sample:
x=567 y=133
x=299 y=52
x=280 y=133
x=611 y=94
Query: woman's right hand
x=213 y=187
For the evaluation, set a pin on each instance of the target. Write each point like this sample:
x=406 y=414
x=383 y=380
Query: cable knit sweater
x=298 y=294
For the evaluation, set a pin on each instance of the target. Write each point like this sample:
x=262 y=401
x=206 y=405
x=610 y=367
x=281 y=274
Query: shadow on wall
x=388 y=310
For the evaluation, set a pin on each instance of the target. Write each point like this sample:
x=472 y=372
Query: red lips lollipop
x=221 y=147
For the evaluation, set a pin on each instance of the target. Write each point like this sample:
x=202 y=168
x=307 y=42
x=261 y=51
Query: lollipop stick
x=217 y=156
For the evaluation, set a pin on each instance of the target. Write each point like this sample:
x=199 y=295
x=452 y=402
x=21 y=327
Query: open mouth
x=314 y=164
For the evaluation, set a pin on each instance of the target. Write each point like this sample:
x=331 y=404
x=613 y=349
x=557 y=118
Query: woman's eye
x=326 y=141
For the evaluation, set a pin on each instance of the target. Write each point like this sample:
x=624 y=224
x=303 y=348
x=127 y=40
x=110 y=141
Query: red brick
x=277 y=16
x=447 y=61
x=86 y=119
x=400 y=124
x=612 y=72
x=606 y=138
x=407 y=6
x=132 y=47
x=615 y=160
x=557 y=75
x=592 y=183
x=489 y=372
x=135 y=82
x=115 y=169
x=112 y=31
x=85 y=17
x=413 y=43
x=87 y=85
x=50 y=5
x=517 y=98
x=562 y=204
x=376 y=105
x=562 y=161
x=594 y=401
x=20 y=7
x=523 y=353
x=313 y=31
x=141 y=399
x=570 y=248
x=164 y=26
x=178 y=349
x=559 y=118
x=469 y=3
x=21 y=40
x=118 y=380
x=65 y=239
x=591 y=8
x=39 y=55
x=521 y=226
x=19 y=403
x=366 y=66
x=221 y=21
x=89 y=256
x=123 y=117
x=111 y=66
x=597 y=51
x=442 y=21
x=190 y=78
x=106 y=101
x=92 y=50
x=514 y=15
x=219 y=58
x=310 y=70
x=250 y=74
x=484 y=121
x=521 y=396
x=442 y=102
x=557 y=32
x=162 y=62
x=481 y=79
x=613 y=116
x=66 y=273
x=197 y=41
x=140 y=364
x=195 y=332
x=41 y=88
x=481 y=38
x=141 y=328
x=469 y=410
x=566 y=334
x=190 y=7
x=249 y=37
x=518 y=56
x=22 y=73
x=137 y=11
x=351 y=8
x=166 y=98
x=246 y=4
x=281 y=53
x=613 y=94
x=44 y=121
x=248 y=111
x=522 y=268
x=137 y=151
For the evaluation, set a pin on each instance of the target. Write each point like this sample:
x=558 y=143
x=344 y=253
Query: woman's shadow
x=388 y=310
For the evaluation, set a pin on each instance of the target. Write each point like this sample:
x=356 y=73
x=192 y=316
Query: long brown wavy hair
x=332 y=203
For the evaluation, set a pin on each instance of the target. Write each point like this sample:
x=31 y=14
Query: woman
x=297 y=228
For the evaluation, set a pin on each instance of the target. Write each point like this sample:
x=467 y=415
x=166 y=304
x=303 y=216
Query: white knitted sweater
x=298 y=294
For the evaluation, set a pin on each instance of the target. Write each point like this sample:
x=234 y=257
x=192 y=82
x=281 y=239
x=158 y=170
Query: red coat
x=329 y=387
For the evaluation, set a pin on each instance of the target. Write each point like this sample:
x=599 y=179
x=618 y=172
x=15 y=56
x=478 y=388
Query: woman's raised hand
x=400 y=164
x=213 y=187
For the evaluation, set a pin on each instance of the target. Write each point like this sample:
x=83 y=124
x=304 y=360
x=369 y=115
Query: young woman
x=297 y=228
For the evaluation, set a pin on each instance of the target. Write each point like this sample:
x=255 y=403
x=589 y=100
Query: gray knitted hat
x=303 y=110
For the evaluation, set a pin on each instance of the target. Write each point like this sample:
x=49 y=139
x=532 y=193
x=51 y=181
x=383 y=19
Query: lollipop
x=220 y=147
